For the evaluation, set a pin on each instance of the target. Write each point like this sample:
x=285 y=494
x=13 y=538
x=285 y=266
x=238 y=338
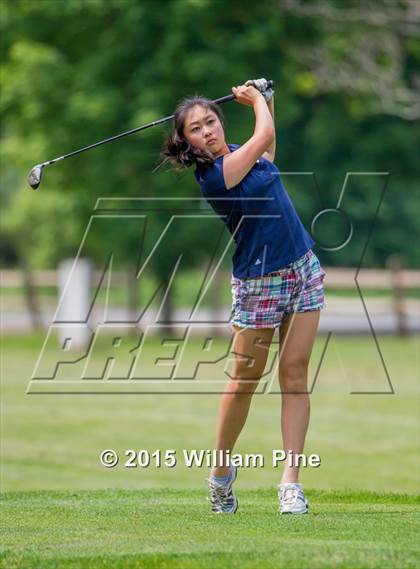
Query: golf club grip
x=270 y=85
x=224 y=99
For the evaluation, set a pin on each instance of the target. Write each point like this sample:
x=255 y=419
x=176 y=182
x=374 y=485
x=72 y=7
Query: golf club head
x=35 y=175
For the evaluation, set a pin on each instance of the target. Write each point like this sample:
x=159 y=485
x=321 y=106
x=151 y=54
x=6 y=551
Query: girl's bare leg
x=297 y=336
x=251 y=348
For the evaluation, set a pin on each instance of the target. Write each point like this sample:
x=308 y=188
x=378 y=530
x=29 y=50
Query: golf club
x=35 y=175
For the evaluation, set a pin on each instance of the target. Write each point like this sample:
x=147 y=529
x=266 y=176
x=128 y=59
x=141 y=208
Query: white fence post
x=74 y=281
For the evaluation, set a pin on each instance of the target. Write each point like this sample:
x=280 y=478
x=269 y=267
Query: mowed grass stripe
x=174 y=528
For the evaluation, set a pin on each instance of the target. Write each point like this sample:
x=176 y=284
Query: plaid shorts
x=262 y=302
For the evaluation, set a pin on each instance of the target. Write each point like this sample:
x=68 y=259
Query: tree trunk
x=167 y=313
x=132 y=295
x=215 y=302
x=395 y=266
x=31 y=297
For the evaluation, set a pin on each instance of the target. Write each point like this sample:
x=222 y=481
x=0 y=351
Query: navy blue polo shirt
x=259 y=214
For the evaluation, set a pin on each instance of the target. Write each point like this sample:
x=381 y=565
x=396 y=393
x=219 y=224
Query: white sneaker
x=292 y=499
x=222 y=498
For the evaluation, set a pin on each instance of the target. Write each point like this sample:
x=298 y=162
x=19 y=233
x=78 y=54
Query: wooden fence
x=395 y=278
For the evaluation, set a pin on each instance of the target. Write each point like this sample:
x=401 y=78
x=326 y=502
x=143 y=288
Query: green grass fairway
x=62 y=509
x=365 y=441
x=175 y=529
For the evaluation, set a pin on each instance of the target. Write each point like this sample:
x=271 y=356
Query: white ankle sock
x=223 y=479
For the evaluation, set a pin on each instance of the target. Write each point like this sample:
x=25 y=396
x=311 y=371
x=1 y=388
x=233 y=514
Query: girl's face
x=203 y=129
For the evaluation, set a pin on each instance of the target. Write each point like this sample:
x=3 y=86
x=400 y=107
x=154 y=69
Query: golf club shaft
x=127 y=133
x=34 y=177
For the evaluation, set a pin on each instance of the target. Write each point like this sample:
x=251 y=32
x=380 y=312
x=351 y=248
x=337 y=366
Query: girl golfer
x=277 y=280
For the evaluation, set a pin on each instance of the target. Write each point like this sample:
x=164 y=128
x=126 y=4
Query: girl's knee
x=293 y=374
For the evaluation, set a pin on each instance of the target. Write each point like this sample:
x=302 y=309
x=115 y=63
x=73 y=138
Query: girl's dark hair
x=176 y=148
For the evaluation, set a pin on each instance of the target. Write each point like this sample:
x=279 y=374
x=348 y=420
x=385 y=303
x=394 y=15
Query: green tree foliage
x=77 y=71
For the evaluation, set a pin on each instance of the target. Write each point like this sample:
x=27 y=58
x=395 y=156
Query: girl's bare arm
x=270 y=152
x=237 y=164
